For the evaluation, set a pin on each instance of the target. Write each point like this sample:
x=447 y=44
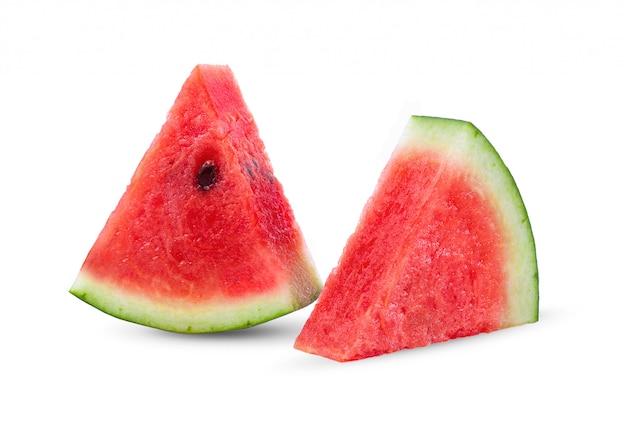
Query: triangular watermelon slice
x=443 y=249
x=203 y=239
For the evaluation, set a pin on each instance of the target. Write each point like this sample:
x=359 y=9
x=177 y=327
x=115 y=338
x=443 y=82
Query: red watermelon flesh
x=203 y=239
x=443 y=249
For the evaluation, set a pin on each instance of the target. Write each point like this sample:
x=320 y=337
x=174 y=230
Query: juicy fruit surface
x=433 y=255
x=203 y=233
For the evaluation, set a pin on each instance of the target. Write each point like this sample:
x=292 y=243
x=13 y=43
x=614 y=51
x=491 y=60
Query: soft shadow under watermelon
x=282 y=328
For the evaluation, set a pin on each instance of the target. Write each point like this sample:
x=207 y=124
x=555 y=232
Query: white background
x=85 y=86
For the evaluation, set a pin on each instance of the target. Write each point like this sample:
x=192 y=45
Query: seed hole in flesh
x=207 y=175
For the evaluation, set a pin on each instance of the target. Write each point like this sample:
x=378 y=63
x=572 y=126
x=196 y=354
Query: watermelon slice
x=443 y=249
x=203 y=239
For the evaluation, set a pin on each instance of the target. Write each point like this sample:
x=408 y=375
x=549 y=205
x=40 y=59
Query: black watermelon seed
x=207 y=175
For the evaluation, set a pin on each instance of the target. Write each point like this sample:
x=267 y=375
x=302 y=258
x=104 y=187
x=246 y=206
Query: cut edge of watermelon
x=211 y=316
x=462 y=141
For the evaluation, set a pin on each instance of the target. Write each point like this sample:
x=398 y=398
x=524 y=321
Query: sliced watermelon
x=443 y=249
x=203 y=239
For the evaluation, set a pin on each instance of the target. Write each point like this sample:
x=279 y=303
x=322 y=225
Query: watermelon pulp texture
x=443 y=249
x=203 y=239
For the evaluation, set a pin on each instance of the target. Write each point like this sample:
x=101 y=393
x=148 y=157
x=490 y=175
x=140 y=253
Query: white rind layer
x=462 y=142
x=182 y=316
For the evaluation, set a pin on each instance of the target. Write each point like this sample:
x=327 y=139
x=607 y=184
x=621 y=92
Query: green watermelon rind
x=461 y=141
x=213 y=316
